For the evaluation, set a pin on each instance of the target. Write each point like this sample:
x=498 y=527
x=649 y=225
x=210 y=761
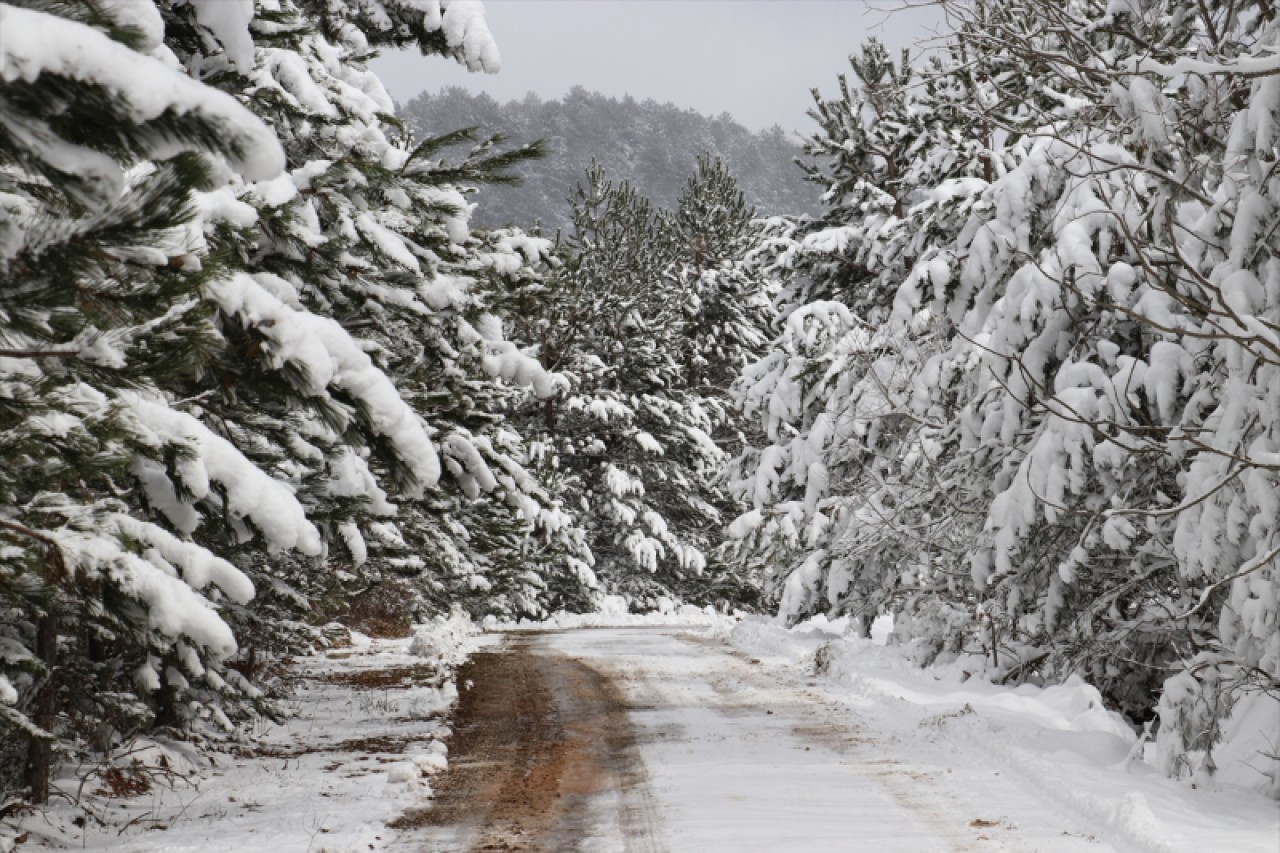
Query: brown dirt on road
x=536 y=736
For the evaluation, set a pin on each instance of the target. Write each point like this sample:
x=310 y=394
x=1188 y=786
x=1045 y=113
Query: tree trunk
x=167 y=712
x=549 y=413
x=44 y=711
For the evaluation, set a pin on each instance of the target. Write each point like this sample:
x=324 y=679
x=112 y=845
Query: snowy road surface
x=665 y=741
x=724 y=735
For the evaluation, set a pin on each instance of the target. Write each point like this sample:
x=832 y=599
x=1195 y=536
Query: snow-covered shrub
x=446 y=639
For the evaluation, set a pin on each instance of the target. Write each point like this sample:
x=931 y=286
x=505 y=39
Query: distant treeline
x=654 y=146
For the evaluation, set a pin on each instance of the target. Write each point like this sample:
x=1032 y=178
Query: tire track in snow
x=638 y=740
x=743 y=758
x=925 y=791
x=850 y=739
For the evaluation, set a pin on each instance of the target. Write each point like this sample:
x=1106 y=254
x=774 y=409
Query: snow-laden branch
x=174 y=607
x=1249 y=66
x=466 y=29
x=332 y=358
x=33 y=44
x=250 y=492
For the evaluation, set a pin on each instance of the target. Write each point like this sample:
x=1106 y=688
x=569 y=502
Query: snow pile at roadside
x=363 y=740
x=446 y=640
x=1059 y=740
x=614 y=612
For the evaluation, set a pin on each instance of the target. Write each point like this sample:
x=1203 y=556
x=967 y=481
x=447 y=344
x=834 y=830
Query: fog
x=754 y=59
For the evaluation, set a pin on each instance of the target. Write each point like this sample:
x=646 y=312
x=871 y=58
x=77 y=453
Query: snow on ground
x=741 y=758
x=615 y=613
x=1055 y=744
x=364 y=737
x=748 y=736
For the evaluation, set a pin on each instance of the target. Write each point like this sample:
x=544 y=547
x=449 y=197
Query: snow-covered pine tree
x=1156 y=434
x=728 y=305
x=257 y=411
x=362 y=257
x=782 y=476
x=848 y=512
x=1023 y=292
x=1091 y=378
x=644 y=316
x=602 y=322
x=859 y=156
x=102 y=149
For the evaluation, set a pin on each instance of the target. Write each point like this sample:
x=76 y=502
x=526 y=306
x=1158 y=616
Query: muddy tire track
x=541 y=745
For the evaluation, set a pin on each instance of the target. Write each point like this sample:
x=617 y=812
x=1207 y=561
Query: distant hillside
x=653 y=145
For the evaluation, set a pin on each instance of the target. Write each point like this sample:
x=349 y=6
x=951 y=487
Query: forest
x=654 y=147
x=1012 y=381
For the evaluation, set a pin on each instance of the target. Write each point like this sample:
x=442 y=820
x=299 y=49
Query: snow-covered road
x=737 y=759
x=719 y=735
x=666 y=740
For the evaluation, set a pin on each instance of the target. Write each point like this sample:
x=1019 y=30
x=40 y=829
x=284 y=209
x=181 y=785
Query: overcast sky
x=754 y=59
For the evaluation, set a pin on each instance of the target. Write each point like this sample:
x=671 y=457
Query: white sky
x=755 y=59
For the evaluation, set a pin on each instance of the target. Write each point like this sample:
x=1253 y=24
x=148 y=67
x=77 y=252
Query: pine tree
x=728 y=307
x=102 y=150
x=1009 y=399
x=215 y=374
x=1161 y=262
x=648 y=315
x=401 y=452
x=728 y=303
x=652 y=146
x=849 y=514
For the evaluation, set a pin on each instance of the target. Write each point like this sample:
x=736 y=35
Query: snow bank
x=448 y=640
x=615 y=613
x=1058 y=739
x=364 y=737
x=886 y=671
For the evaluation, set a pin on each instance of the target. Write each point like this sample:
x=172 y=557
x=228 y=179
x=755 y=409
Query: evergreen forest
x=997 y=358
x=652 y=146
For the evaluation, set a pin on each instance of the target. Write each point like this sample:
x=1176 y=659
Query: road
x=645 y=739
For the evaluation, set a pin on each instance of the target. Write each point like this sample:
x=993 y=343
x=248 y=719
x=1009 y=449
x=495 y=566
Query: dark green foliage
x=99 y=298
